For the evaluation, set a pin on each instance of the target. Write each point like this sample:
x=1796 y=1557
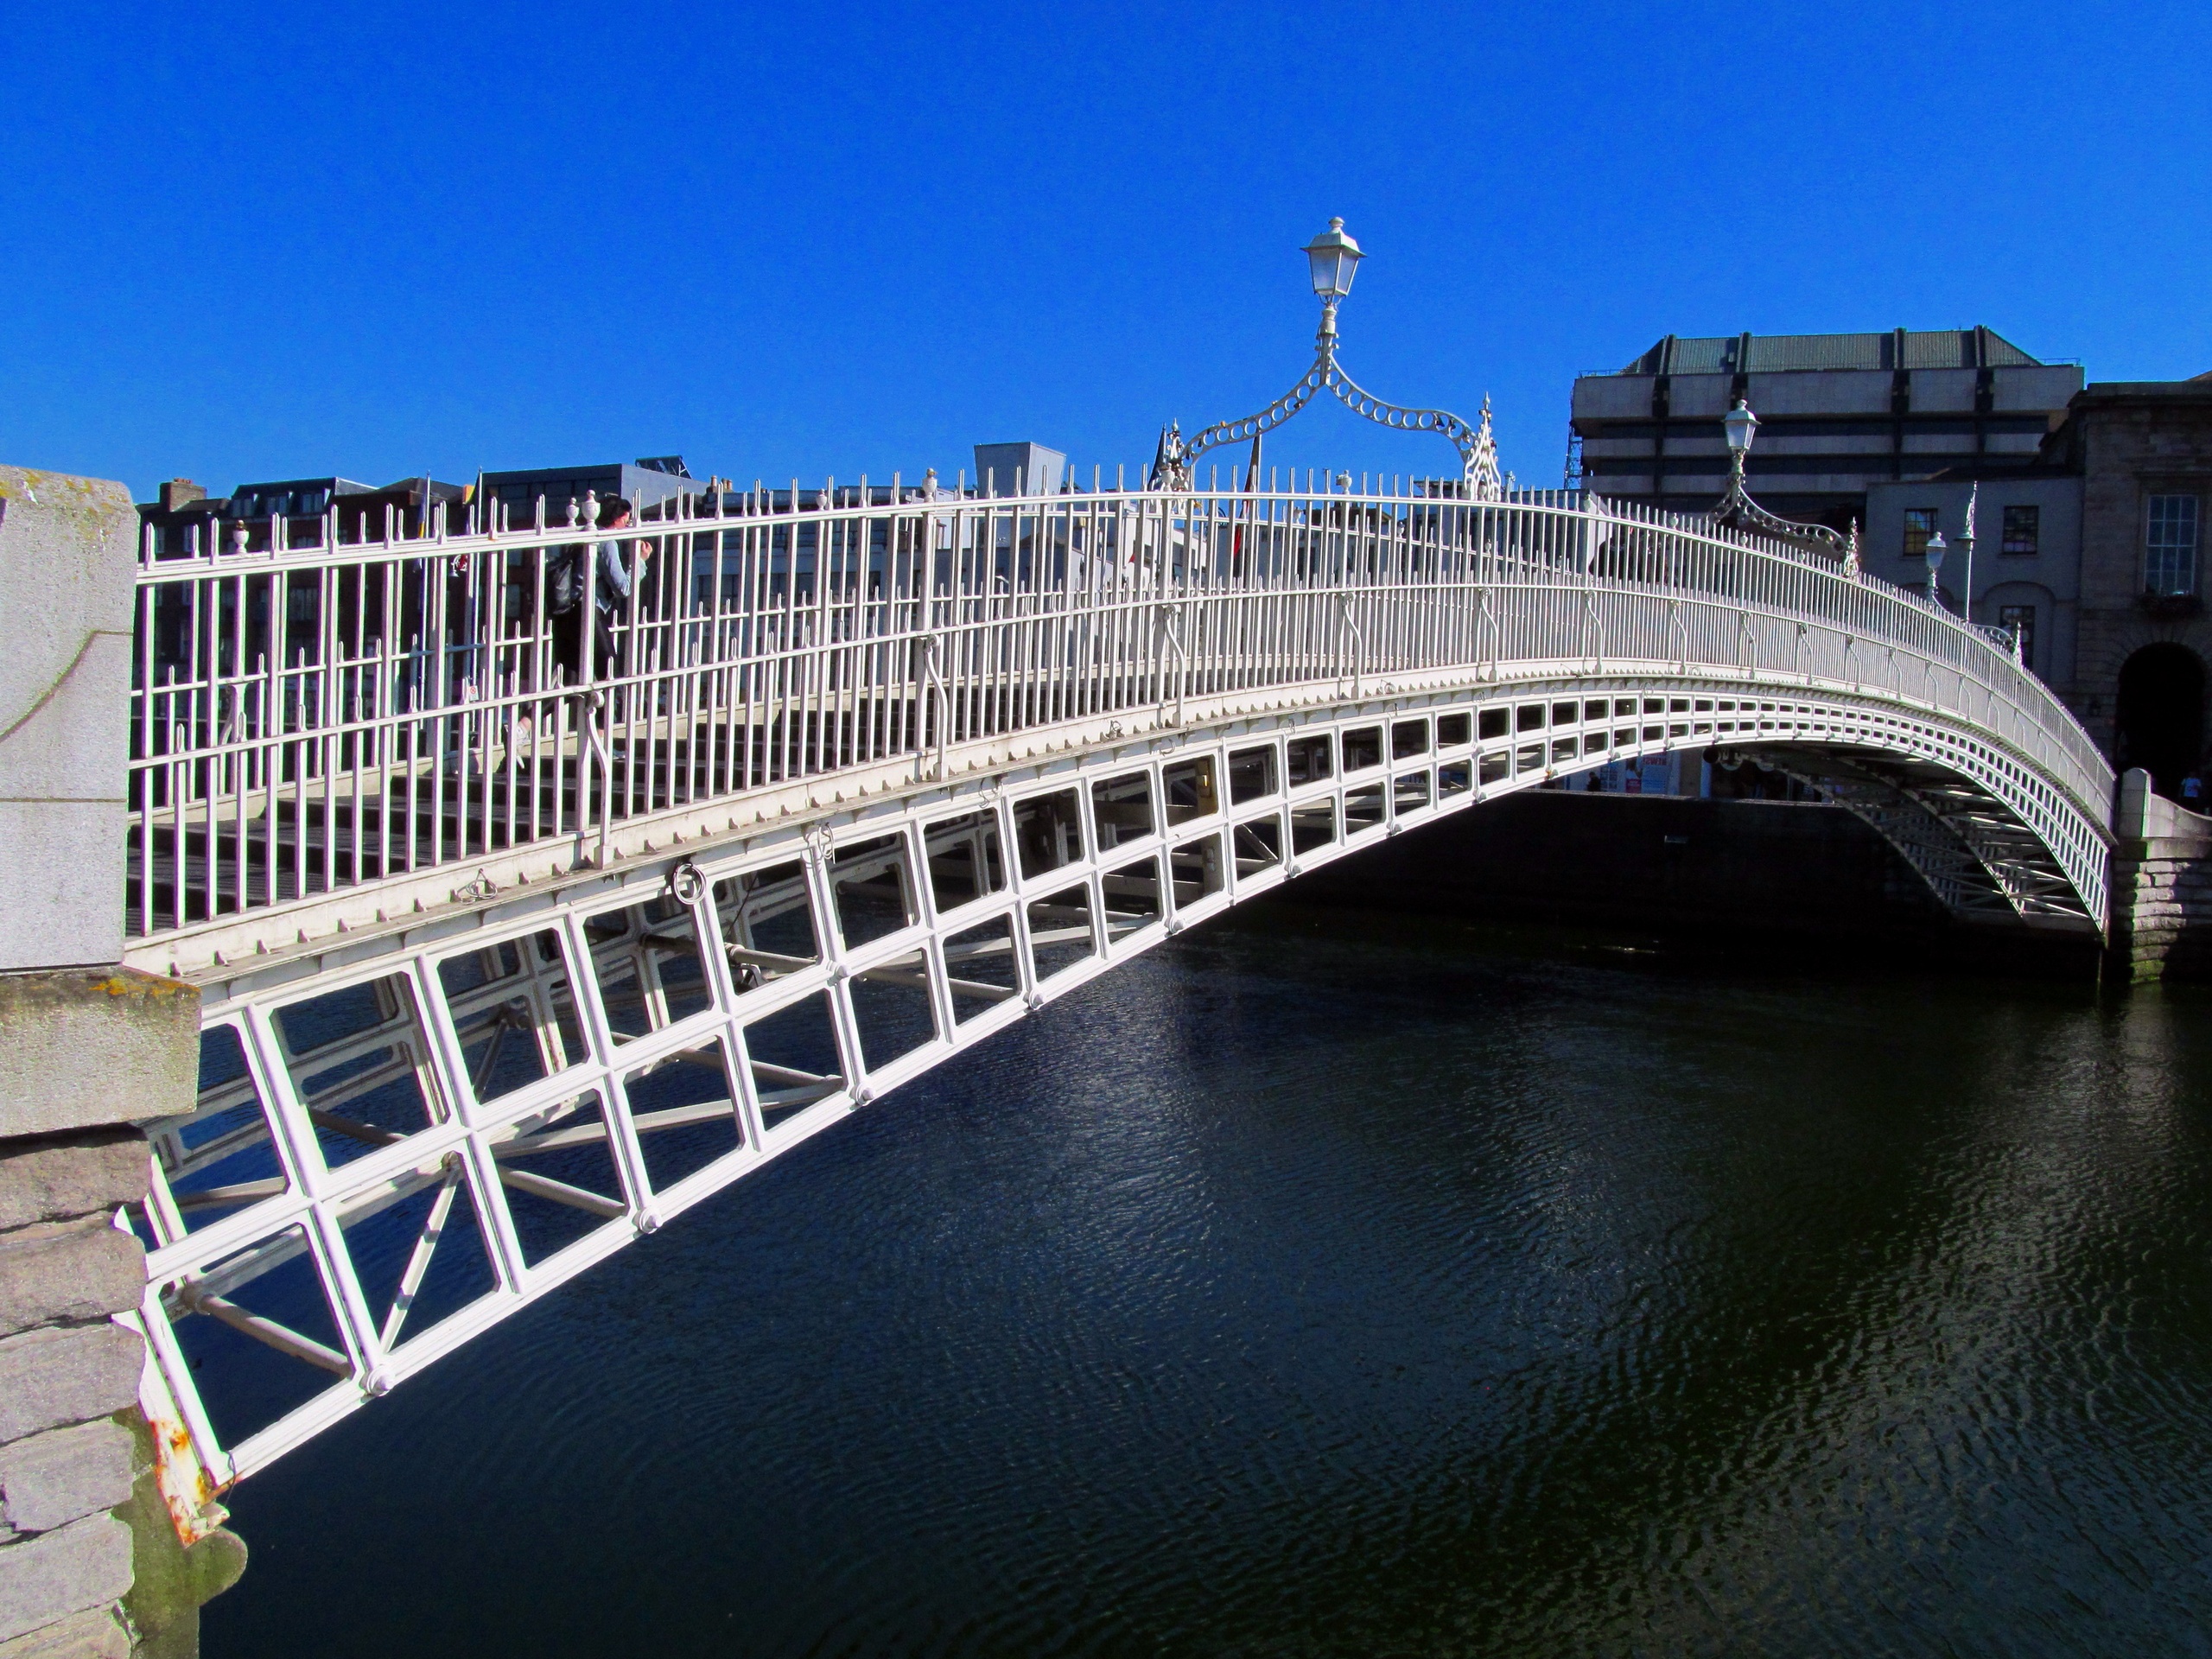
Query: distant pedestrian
x=2192 y=791
x=604 y=572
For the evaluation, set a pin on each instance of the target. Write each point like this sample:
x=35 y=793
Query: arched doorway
x=2161 y=714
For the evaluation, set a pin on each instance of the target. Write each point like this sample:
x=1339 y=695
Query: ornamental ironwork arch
x=1479 y=477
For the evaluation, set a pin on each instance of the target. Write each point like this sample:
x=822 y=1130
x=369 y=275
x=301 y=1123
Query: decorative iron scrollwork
x=1479 y=477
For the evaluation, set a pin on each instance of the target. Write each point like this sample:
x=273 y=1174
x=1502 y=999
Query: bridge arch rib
x=431 y=1097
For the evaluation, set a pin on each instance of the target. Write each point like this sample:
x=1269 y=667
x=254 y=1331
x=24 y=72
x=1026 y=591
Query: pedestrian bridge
x=507 y=960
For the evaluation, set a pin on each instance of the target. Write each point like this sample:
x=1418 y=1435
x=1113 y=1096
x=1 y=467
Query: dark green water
x=1323 y=1286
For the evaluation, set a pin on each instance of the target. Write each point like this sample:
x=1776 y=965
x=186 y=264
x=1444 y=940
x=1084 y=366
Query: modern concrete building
x=647 y=482
x=1839 y=414
x=1019 y=470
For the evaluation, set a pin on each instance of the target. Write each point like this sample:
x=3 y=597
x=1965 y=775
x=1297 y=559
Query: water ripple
x=1315 y=1288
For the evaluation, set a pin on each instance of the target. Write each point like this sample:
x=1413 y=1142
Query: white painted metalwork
x=1736 y=510
x=1335 y=257
x=330 y=728
x=506 y=964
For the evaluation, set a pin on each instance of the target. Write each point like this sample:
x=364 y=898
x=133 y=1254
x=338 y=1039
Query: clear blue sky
x=256 y=241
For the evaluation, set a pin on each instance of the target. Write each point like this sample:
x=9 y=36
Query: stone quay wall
x=2161 y=885
x=91 y=1565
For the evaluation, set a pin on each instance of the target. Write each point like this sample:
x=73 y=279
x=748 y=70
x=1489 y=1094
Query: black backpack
x=564 y=580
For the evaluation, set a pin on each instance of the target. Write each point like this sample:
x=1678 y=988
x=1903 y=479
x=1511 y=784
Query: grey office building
x=1838 y=414
x=650 y=481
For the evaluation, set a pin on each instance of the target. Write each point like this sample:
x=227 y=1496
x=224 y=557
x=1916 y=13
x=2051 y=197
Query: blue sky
x=260 y=242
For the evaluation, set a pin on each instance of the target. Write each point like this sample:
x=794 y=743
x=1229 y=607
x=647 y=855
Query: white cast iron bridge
x=507 y=961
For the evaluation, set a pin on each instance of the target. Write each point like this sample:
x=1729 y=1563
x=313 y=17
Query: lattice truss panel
x=1975 y=853
x=406 y=1136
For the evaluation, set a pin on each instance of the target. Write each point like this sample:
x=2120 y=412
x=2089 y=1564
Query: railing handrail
x=390 y=655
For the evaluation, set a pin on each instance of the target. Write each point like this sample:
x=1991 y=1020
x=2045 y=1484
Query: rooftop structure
x=1838 y=413
x=185 y=518
x=647 y=482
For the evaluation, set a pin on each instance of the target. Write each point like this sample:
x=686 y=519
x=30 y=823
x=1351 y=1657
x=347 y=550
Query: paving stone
x=66 y=1374
x=96 y=1633
x=81 y=1175
x=72 y=1271
x=85 y=1564
x=48 y=1480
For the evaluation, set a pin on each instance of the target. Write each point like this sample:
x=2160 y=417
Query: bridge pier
x=90 y=1564
x=2161 y=887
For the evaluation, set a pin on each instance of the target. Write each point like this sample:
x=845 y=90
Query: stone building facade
x=2025 y=567
x=2143 y=451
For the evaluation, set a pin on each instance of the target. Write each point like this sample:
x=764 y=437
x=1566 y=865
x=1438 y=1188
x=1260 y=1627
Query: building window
x=2169 y=550
x=2023 y=529
x=2020 y=621
x=1919 y=526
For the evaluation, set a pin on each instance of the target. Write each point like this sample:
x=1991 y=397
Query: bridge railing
x=321 y=714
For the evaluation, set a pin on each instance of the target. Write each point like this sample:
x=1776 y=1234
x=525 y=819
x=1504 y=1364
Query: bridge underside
x=1974 y=851
x=416 y=1121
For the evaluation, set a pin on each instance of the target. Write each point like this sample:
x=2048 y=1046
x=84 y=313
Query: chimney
x=180 y=492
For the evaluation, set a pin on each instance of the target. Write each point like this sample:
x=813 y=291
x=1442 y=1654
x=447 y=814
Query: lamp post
x=1737 y=510
x=1332 y=259
x=1965 y=541
x=1738 y=426
x=1935 y=551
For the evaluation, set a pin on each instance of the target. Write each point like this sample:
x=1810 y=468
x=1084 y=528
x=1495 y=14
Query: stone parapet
x=66 y=569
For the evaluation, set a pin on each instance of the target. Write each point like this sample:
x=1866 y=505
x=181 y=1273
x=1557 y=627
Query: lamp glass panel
x=1333 y=269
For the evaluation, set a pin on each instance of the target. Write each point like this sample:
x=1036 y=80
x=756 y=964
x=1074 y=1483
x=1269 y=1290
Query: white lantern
x=1739 y=423
x=1333 y=254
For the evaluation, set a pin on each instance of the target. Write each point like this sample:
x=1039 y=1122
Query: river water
x=1320 y=1284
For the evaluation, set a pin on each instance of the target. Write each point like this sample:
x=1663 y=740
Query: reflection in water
x=1310 y=1288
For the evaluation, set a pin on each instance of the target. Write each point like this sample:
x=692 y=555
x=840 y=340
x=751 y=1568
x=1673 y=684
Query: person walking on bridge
x=610 y=580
